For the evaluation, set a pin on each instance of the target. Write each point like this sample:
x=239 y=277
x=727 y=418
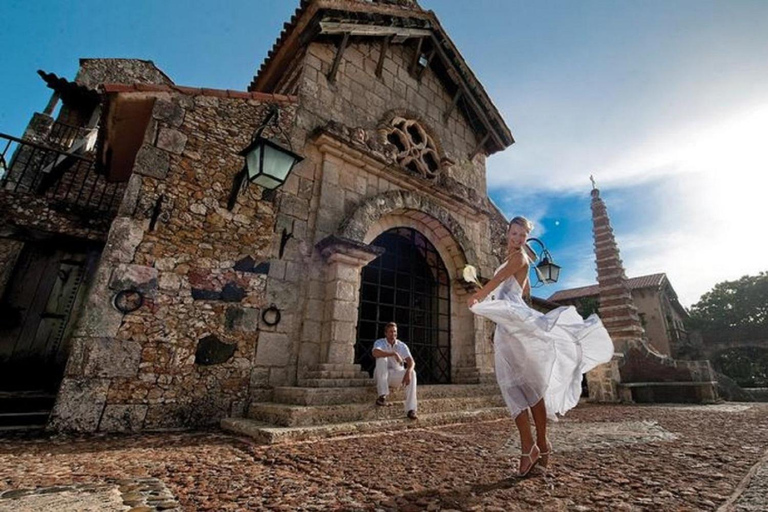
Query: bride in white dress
x=539 y=358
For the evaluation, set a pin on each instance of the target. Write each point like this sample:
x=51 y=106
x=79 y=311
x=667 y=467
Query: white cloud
x=702 y=220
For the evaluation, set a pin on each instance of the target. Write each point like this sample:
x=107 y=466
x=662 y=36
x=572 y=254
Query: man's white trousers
x=386 y=378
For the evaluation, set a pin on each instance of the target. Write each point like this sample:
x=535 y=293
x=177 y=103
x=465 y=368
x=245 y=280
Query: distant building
x=661 y=314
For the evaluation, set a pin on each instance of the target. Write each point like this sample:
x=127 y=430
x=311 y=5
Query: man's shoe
x=412 y=415
x=382 y=401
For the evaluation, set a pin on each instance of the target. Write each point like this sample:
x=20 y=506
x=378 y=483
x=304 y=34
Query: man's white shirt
x=399 y=347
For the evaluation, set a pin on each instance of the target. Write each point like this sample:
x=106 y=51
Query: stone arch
x=411 y=209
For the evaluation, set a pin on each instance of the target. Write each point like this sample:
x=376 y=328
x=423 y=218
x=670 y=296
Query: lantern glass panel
x=253 y=161
x=277 y=163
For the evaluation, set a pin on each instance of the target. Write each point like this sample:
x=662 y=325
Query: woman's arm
x=515 y=263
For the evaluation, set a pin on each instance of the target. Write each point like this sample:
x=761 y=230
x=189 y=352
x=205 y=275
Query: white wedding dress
x=541 y=355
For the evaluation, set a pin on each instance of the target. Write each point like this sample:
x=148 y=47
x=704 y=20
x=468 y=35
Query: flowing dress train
x=540 y=355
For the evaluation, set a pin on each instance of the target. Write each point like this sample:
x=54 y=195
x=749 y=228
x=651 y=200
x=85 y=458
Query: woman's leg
x=539 y=412
x=526 y=443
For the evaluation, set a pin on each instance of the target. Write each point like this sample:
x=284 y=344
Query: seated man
x=391 y=354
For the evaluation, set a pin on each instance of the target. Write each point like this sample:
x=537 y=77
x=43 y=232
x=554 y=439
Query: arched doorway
x=409 y=285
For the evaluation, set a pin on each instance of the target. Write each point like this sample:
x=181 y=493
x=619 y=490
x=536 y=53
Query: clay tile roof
x=196 y=91
x=289 y=43
x=71 y=92
x=634 y=283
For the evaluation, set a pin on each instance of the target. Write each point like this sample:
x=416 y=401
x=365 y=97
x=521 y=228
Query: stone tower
x=637 y=373
x=617 y=310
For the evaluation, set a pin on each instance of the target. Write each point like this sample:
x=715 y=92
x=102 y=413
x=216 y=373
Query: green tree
x=588 y=306
x=740 y=303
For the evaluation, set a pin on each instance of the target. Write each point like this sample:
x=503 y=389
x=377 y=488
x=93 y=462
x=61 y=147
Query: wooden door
x=37 y=313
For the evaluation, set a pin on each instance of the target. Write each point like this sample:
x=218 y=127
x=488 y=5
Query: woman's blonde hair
x=523 y=222
x=528 y=226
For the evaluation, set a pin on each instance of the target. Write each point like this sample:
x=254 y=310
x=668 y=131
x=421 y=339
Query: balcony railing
x=68 y=180
x=62 y=136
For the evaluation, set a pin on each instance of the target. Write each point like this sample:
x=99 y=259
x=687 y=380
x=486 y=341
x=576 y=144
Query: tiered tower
x=617 y=310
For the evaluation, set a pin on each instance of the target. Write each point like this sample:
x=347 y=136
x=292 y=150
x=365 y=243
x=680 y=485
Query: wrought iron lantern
x=267 y=163
x=547 y=271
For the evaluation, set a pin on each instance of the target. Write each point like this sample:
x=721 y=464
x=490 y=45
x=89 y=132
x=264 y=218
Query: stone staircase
x=24 y=410
x=327 y=405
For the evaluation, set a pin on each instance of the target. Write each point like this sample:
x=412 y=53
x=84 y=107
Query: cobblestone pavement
x=606 y=458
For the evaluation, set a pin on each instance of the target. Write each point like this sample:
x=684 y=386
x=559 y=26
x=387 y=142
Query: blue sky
x=665 y=102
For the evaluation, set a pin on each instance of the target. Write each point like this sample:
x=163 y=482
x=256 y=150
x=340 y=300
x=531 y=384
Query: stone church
x=147 y=283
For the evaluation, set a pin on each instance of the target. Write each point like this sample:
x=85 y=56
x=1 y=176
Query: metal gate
x=37 y=312
x=409 y=285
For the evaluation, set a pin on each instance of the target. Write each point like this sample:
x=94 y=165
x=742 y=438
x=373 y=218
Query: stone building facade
x=199 y=299
x=661 y=314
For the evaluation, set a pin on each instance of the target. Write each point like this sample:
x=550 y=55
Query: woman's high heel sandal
x=544 y=455
x=533 y=461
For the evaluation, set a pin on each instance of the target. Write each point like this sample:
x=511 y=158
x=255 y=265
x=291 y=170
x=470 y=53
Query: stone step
x=25 y=401
x=27 y=419
x=335 y=383
x=333 y=367
x=285 y=415
x=265 y=433
x=332 y=396
x=335 y=374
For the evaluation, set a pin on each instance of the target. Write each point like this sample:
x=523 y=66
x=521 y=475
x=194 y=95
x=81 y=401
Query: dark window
x=409 y=285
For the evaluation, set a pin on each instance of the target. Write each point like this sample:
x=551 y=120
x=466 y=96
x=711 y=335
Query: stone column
x=345 y=260
x=468 y=338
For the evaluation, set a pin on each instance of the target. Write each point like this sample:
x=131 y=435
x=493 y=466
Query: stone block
x=315 y=310
x=134 y=277
x=309 y=354
x=232 y=293
x=341 y=353
x=242 y=319
x=79 y=405
x=124 y=237
x=277 y=270
x=343 y=332
x=203 y=294
x=311 y=330
x=152 y=161
x=330 y=173
x=341 y=290
x=169 y=281
x=171 y=140
x=273 y=349
x=294 y=206
x=99 y=317
x=345 y=272
x=123 y=418
x=344 y=311
x=130 y=197
x=169 y=112
x=110 y=357
x=285 y=295
x=278 y=377
x=259 y=377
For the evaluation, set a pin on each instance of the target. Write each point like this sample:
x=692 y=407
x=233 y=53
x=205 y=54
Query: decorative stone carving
x=416 y=150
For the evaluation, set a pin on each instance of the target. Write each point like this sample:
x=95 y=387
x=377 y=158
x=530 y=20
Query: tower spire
x=617 y=309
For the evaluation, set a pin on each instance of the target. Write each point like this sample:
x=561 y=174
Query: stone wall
x=94 y=72
x=357 y=98
x=22 y=213
x=190 y=354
